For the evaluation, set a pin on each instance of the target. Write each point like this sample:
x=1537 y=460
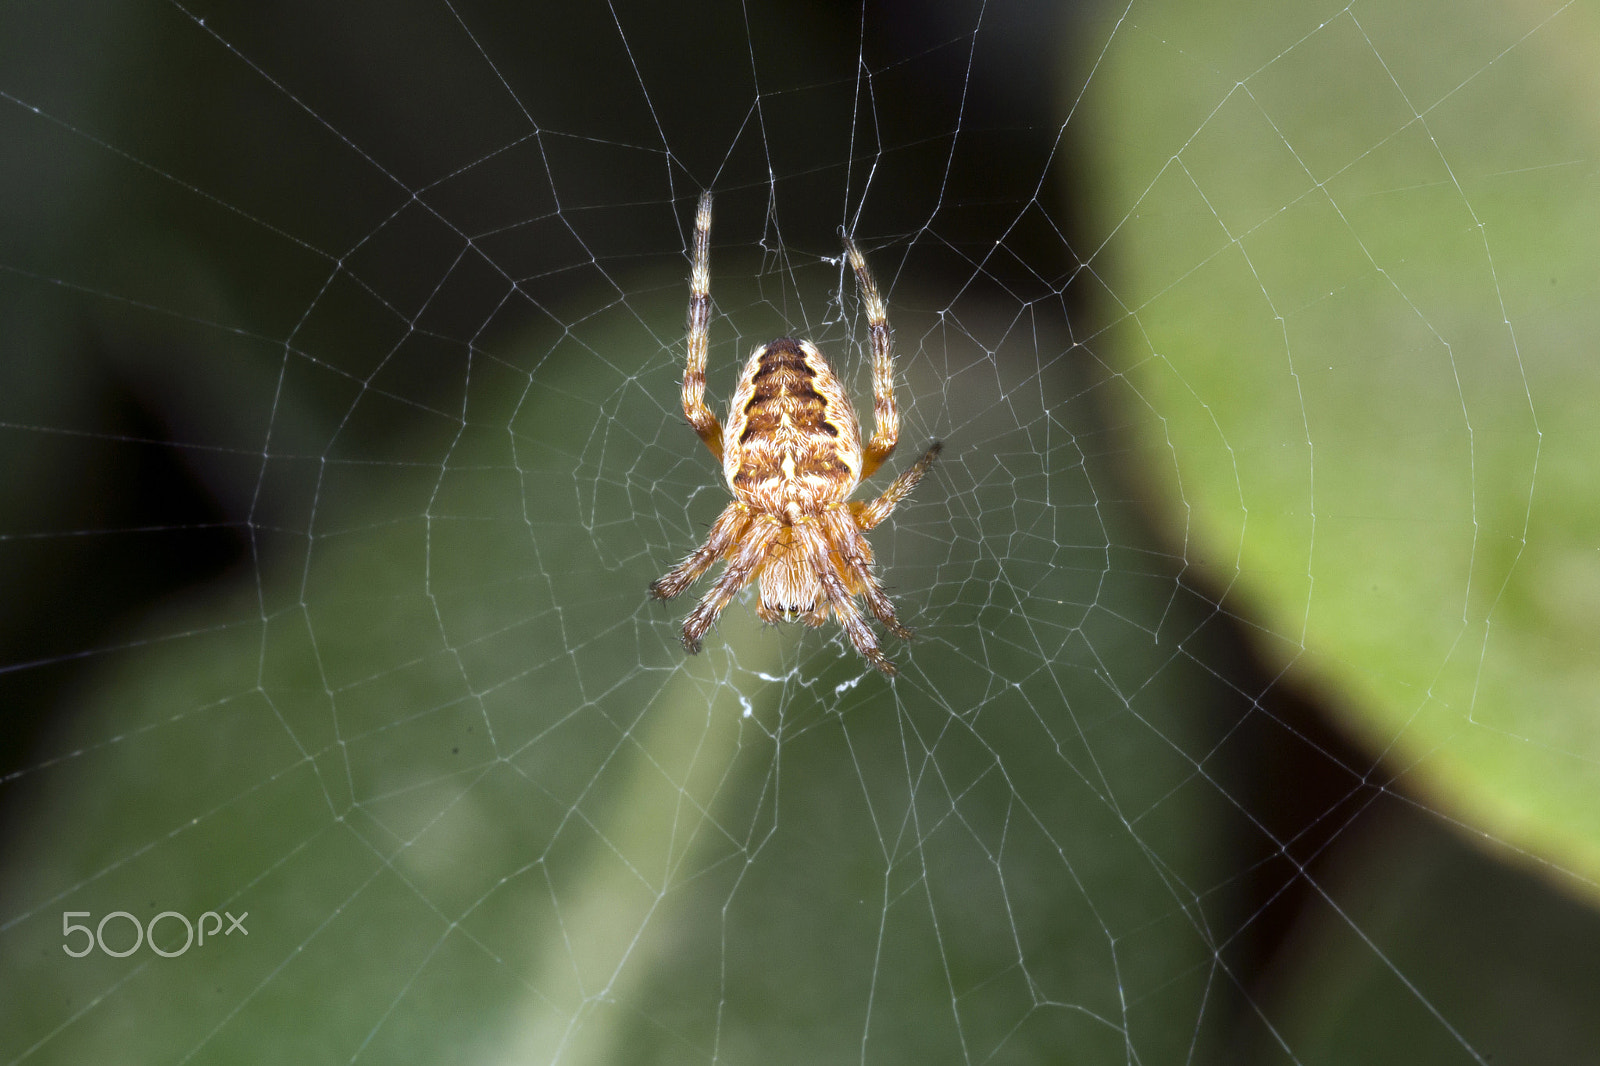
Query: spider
x=792 y=455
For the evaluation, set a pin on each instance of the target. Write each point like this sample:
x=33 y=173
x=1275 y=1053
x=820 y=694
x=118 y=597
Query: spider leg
x=747 y=556
x=855 y=555
x=839 y=594
x=724 y=535
x=870 y=514
x=695 y=410
x=886 y=419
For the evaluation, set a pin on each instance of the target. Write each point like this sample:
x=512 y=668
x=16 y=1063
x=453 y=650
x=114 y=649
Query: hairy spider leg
x=869 y=514
x=701 y=417
x=725 y=533
x=809 y=536
x=886 y=419
x=855 y=556
x=746 y=558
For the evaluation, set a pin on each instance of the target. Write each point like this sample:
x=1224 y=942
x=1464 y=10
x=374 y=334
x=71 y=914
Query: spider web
x=342 y=350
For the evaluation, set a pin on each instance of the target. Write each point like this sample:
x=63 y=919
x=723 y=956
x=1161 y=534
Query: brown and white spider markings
x=792 y=455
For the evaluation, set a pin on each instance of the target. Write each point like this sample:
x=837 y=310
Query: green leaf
x=1355 y=250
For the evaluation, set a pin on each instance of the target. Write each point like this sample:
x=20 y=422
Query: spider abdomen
x=792 y=443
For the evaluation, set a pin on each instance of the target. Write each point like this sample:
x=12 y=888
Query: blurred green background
x=1249 y=717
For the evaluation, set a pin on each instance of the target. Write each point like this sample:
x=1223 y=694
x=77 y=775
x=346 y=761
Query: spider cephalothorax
x=792 y=456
